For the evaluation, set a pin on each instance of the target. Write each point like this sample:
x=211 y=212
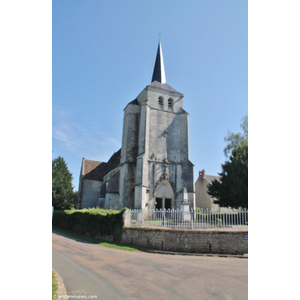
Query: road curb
x=196 y=254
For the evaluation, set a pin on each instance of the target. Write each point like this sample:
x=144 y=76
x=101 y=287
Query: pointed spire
x=159 y=68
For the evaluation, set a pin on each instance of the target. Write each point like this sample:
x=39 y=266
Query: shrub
x=94 y=221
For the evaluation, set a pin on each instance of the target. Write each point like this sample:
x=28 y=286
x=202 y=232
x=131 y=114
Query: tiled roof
x=94 y=170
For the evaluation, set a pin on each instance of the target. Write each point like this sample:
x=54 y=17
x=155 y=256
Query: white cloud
x=82 y=140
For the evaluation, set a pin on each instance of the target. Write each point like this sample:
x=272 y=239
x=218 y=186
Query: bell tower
x=155 y=166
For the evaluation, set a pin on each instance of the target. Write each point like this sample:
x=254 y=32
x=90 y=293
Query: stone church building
x=152 y=168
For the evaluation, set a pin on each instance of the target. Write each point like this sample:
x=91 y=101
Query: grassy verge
x=54 y=286
x=94 y=240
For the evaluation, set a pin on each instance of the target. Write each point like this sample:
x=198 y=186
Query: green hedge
x=92 y=221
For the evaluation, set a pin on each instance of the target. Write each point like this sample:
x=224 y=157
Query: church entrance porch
x=164 y=196
x=163 y=203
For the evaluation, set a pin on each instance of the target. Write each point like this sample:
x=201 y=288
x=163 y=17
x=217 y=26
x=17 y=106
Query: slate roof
x=134 y=102
x=114 y=161
x=159 y=67
x=181 y=111
x=210 y=178
x=163 y=86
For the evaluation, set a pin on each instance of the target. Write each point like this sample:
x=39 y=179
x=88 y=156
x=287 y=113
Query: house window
x=161 y=101
x=170 y=103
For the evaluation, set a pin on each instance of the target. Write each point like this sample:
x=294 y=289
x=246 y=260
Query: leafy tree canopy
x=234 y=140
x=232 y=189
x=63 y=196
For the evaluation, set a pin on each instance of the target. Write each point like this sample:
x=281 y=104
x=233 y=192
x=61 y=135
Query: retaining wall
x=191 y=241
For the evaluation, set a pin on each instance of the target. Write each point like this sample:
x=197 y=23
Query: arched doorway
x=164 y=196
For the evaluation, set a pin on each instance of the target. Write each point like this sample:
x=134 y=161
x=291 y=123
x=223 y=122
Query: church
x=152 y=168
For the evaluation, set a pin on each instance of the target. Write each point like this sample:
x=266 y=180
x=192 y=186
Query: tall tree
x=234 y=140
x=232 y=190
x=62 y=189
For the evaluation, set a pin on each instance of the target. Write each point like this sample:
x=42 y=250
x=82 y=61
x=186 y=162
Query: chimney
x=202 y=173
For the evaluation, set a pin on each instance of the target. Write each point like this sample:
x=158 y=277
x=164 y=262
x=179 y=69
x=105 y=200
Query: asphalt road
x=89 y=269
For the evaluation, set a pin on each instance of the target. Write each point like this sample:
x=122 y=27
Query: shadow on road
x=77 y=239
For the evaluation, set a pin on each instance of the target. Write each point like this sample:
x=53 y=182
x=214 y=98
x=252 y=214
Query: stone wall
x=90 y=193
x=190 y=241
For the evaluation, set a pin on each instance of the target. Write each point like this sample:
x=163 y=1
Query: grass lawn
x=94 y=240
x=153 y=222
x=54 y=286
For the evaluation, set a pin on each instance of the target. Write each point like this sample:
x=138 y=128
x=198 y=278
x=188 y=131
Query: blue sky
x=103 y=54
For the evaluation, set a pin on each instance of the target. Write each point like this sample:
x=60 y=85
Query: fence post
x=127 y=217
x=243 y=224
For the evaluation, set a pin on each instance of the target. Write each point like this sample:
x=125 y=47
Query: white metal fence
x=192 y=219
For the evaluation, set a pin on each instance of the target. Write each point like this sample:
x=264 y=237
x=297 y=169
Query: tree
x=232 y=189
x=234 y=140
x=63 y=196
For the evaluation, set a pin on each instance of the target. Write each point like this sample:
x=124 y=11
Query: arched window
x=170 y=103
x=160 y=101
